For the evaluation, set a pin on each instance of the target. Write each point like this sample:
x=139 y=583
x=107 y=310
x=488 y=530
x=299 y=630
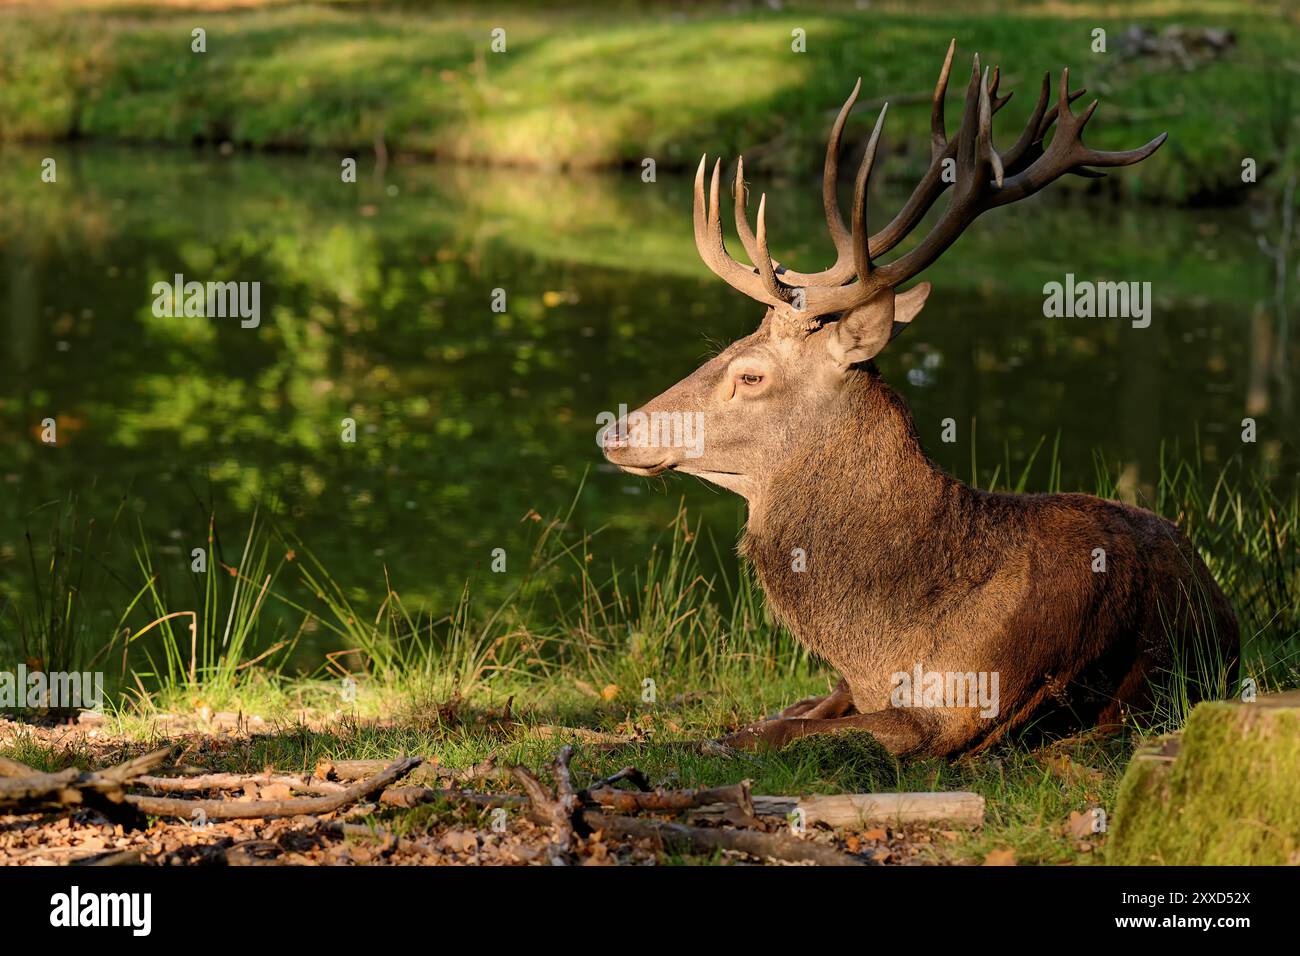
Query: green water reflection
x=376 y=305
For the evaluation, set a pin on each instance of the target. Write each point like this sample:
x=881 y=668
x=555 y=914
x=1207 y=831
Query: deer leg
x=837 y=703
x=898 y=730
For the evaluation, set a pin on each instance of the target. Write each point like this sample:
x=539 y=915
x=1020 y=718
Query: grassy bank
x=644 y=656
x=582 y=89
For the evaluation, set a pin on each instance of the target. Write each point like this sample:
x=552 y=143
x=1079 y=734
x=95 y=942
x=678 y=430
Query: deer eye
x=750 y=378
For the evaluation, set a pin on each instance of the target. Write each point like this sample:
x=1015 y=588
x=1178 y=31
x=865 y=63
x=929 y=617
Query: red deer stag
x=873 y=557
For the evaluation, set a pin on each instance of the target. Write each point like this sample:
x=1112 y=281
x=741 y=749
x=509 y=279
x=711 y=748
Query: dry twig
x=232 y=810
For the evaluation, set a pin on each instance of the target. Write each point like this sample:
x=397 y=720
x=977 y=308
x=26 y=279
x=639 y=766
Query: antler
x=985 y=179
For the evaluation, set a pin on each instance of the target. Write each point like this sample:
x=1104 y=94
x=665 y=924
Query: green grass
x=572 y=646
x=584 y=88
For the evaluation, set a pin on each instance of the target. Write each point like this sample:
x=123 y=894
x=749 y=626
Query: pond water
x=376 y=305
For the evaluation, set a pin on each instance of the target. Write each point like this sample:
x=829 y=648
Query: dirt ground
x=365 y=834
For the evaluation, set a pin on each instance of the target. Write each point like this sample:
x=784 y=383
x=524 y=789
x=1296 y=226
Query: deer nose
x=613 y=439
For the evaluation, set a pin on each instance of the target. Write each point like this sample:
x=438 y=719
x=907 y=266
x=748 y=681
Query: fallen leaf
x=609 y=692
x=1080 y=824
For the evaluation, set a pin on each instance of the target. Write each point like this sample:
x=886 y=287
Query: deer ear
x=908 y=306
x=862 y=332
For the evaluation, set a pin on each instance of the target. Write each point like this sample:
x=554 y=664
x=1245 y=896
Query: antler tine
x=998 y=101
x=861 y=242
x=831 y=178
x=969 y=130
x=713 y=250
x=1050 y=118
x=746 y=234
x=984 y=140
x=938 y=133
x=764 y=261
x=842 y=270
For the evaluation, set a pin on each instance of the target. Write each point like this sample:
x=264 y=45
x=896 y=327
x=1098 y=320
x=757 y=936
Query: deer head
x=753 y=402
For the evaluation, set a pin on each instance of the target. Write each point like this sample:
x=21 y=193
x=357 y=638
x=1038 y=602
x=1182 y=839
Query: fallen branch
x=12 y=768
x=238 y=781
x=630 y=774
x=564 y=813
x=556 y=812
x=845 y=810
x=102 y=790
x=625 y=801
x=630 y=801
x=234 y=810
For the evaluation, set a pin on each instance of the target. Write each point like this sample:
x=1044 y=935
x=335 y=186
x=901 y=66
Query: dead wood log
x=102 y=790
x=777 y=846
x=235 y=810
x=238 y=781
x=41 y=790
x=846 y=810
x=12 y=768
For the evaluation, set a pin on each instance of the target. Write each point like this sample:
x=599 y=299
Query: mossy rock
x=1224 y=791
x=852 y=759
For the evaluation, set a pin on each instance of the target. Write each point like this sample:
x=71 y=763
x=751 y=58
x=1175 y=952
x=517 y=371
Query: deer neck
x=856 y=497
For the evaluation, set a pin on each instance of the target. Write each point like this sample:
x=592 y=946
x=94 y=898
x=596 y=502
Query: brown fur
x=907 y=565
